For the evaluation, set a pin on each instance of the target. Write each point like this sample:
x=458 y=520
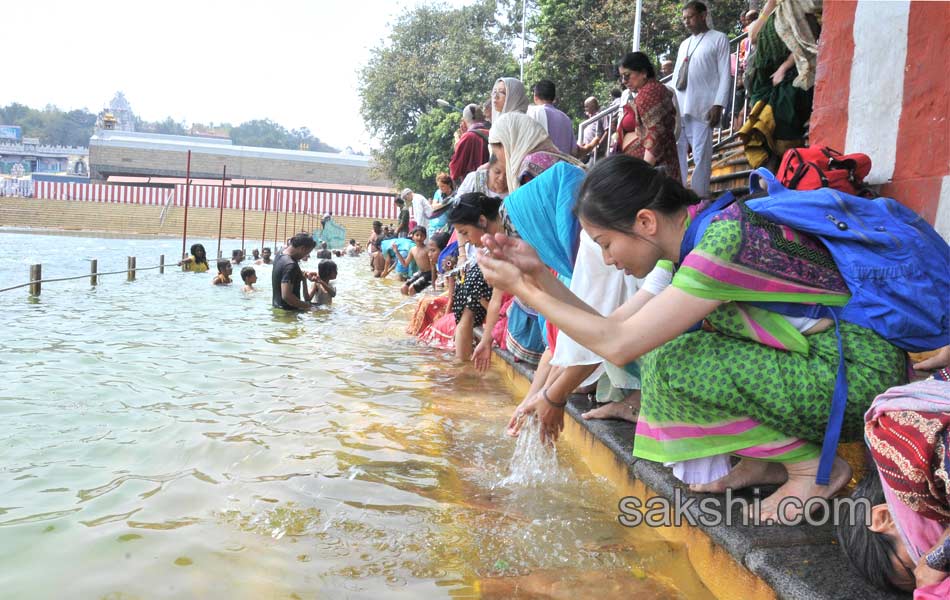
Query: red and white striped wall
x=100 y=192
x=882 y=89
x=203 y=196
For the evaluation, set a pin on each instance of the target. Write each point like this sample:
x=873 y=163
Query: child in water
x=197 y=262
x=425 y=276
x=323 y=292
x=249 y=276
x=224 y=273
x=419 y=255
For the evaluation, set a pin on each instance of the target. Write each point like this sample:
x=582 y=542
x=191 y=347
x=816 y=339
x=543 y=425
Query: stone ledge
x=799 y=563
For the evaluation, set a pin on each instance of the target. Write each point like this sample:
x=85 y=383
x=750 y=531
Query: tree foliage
x=74 y=128
x=51 y=125
x=432 y=52
x=579 y=42
x=435 y=52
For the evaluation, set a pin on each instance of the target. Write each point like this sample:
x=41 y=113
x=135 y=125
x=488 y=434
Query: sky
x=295 y=62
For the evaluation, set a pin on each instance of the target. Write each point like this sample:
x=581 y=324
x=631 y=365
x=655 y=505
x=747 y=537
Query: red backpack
x=816 y=167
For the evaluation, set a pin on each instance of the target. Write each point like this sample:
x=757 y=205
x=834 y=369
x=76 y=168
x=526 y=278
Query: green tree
x=51 y=125
x=432 y=52
x=579 y=42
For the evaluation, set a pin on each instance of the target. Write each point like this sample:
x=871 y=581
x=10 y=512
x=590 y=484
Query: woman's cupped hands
x=510 y=264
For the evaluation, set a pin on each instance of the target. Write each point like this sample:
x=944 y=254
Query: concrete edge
x=799 y=563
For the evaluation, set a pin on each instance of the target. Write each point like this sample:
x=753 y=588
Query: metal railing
x=733 y=116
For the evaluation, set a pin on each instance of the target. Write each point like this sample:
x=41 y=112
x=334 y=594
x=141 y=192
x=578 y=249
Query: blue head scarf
x=542 y=213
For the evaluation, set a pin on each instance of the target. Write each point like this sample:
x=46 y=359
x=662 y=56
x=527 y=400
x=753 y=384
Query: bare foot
x=747 y=472
x=627 y=409
x=801 y=486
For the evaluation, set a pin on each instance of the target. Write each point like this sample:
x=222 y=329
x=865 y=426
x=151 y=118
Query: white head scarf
x=520 y=135
x=516 y=100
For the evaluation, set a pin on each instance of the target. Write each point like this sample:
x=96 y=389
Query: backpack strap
x=696 y=230
x=839 y=398
x=698 y=227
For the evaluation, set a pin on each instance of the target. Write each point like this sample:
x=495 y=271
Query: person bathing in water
x=418 y=254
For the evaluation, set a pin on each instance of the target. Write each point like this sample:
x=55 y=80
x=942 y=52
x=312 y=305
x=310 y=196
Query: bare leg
x=801 y=485
x=464 y=336
x=627 y=409
x=747 y=473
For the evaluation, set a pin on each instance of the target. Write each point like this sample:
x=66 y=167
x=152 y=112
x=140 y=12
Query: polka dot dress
x=468 y=294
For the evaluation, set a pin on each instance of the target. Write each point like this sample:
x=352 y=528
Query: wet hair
x=545 y=90
x=265 y=249
x=247 y=272
x=377 y=224
x=471 y=206
x=871 y=553
x=639 y=62
x=223 y=265
x=440 y=239
x=352 y=241
x=620 y=186
x=326 y=268
x=197 y=249
x=695 y=5
x=416 y=229
x=323 y=245
x=303 y=240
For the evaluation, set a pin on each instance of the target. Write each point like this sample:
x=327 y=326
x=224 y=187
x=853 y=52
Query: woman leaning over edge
x=758 y=385
x=521 y=146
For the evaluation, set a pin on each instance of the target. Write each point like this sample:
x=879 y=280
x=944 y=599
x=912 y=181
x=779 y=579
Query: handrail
x=609 y=112
x=721 y=135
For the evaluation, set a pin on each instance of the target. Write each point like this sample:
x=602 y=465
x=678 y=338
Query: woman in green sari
x=780 y=79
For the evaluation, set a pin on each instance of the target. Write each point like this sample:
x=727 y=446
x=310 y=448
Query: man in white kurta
x=706 y=91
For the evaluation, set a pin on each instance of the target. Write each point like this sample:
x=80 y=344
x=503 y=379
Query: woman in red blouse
x=649 y=120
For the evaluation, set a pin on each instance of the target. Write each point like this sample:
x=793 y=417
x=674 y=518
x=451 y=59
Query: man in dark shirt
x=287 y=277
x=403 y=229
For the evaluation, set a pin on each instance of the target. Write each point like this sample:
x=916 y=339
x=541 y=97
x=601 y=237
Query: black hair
x=620 y=186
x=471 y=206
x=616 y=93
x=265 y=249
x=223 y=264
x=639 y=62
x=400 y=202
x=326 y=268
x=418 y=228
x=199 y=249
x=695 y=5
x=377 y=224
x=303 y=240
x=871 y=553
x=441 y=239
x=545 y=90
x=353 y=241
x=247 y=272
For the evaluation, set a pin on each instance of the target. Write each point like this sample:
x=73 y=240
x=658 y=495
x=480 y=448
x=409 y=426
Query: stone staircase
x=730 y=169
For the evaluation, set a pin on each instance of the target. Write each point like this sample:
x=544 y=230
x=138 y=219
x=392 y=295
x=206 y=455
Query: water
x=169 y=439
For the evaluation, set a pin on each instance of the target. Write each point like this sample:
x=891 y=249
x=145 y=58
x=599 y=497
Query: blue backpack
x=895 y=265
